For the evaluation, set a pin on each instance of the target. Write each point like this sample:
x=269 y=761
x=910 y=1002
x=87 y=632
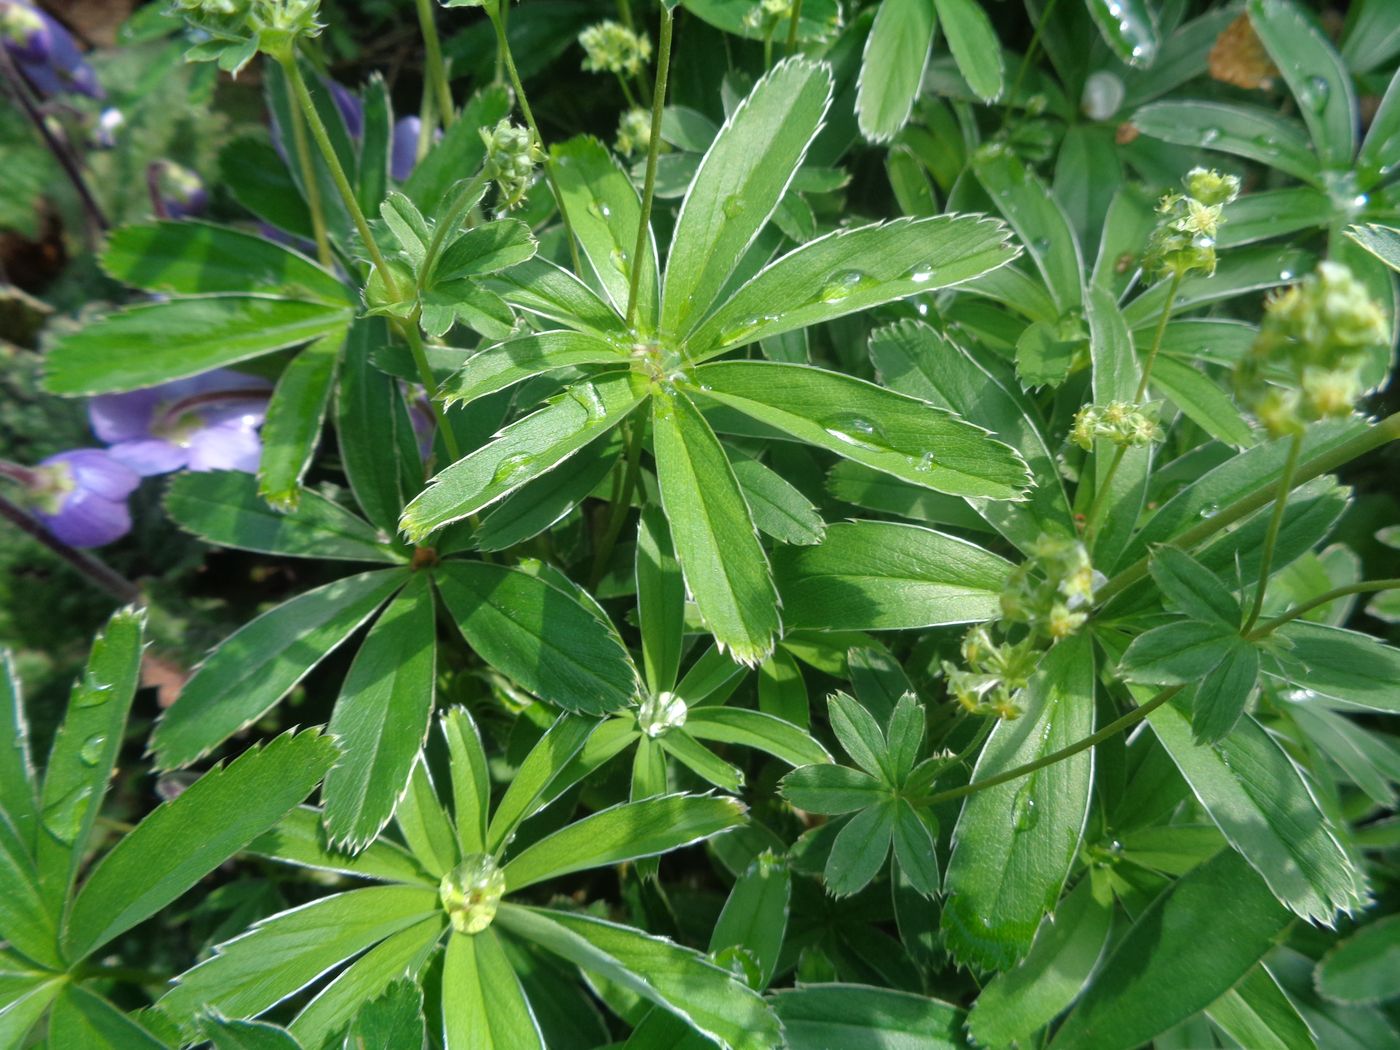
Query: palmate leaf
x=157 y=342
x=849 y=270
x=1014 y=844
x=892 y=67
x=521 y=452
x=186 y=838
x=891 y=432
x=715 y=541
x=252 y=669
x=381 y=718
x=741 y=179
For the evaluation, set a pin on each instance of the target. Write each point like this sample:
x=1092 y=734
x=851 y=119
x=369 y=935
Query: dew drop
x=1041 y=244
x=856 y=431
x=620 y=263
x=91 y=693
x=920 y=274
x=1209 y=135
x=91 y=751
x=733 y=206
x=599 y=210
x=925 y=463
x=841 y=285
x=511 y=467
x=1315 y=93
x=586 y=394
x=1024 y=811
x=64 y=818
x=740 y=330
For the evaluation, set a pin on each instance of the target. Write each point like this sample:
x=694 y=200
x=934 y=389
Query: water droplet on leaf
x=841 y=285
x=64 y=818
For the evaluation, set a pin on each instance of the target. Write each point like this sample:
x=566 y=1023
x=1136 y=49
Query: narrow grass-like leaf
x=483 y=1006
x=1014 y=844
x=876 y=575
x=531 y=786
x=740 y=181
x=1257 y=1013
x=1202 y=401
x=891 y=432
x=860 y=1017
x=975 y=46
x=755 y=914
x=81 y=1018
x=850 y=270
x=548 y=641
x=758 y=730
x=252 y=669
x=1038 y=220
x=471 y=779
x=660 y=601
x=1316 y=75
x=381 y=718
x=292 y=429
x=157 y=342
x=1245 y=131
x=892 y=67
x=505 y=364
x=185 y=839
x=521 y=452
x=715 y=541
x=19 y=785
x=300 y=839
x=623 y=832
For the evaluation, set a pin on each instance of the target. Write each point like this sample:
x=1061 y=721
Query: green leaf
x=1178 y=653
x=26 y=1000
x=257 y=665
x=764 y=732
x=892 y=67
x=461 y=150
x=1373 y=157
x=755 y=914
x=857 y=1017
x=183 y=840
x=376 y=144
x=1361 y=968
x=257 y=178
x=485 y=249
x=393 y=1019
x=471 y=779
x=660 y=601
x=876 y=575
x=19 y=785
x=541 y=636
x=1066 y=950
x=157 y=342
x=539 y=504
x=292 y=428
x=223 y=507
x=975 y=46
x=1316 y=75
x=85 y=751
x=850 y=270
x=378 y=448
x=1128 y=27
x=300 y=839
x=878 y=680
x=715 y=542
x=1202 y=401
x=832 y=790
x=1258 y=1013
x=1244 y=131
x=529 y=788
x=860 y=849
x=284 y=953
x=1381 y=241
x=80 y=1018
x=914 y=849
x=779 y=510
x=621 y=833
x=1190 y=945
x=914 y=359
x=713 y=1001
x=543 y=288
x=247 y=1035
x=1348 y=666
x=860 y=736
x=1190 y=588
x=198 y=258
x=1222 y=695
x=485 y=1008
x=1014 y=844
x=27 y=922
x=905 y=732
x=740 y=181
x=1259 y=799
x=381 y=718
x=521 y=452
x=893 y=433
x=538 y=353
x=605 y=210
x=782 y=691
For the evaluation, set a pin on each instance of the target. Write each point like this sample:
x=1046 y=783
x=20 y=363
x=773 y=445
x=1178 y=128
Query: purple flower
x=176 y=192
x=352 y=110
x=403 y=156
x=206 y=422
x=80 y=496
x=45 y=52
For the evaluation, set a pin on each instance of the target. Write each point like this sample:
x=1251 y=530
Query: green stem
x=1025 y=65
x=287 y=59
x=494 y=12
x=1157 y=336
x=1096 y=508
x=437 y=70
x=312 y=186
x=627 y=91
x=658 y=103
x=1325 y=598
x=105 y=578
x=1374 y=437
x=1115 y=727
x=617 y=511
x=792 y=26
x=1266 y=562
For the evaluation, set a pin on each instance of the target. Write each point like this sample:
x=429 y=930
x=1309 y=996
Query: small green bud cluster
x=241 y=28
x=767 y=12
x=1184 y=239
x=633 y=132
x=610 y=47
x=1047 y=598
x=1120 y=422
x=471 y=893
x=1320 y=332
x=511 y=156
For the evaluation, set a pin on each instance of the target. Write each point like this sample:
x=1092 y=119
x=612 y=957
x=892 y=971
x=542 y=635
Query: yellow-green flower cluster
x=768 y=12
x=511 y=156
x=633 y=132
x=610 y=47
x=1049 y=595
x=1320 y=333
x=250 y=25
x=1184 y=239
x=1120 y=422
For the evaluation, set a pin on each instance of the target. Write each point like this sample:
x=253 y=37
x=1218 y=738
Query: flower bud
x=511 y=157
x=610 y=47
x=633 y=132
